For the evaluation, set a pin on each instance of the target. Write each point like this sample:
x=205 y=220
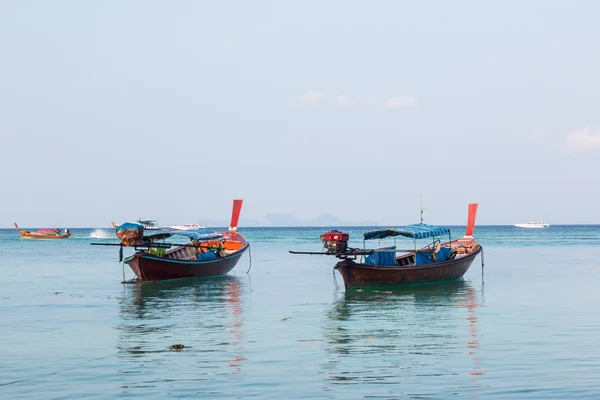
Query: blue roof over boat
x=415 y=231
x=200 y=234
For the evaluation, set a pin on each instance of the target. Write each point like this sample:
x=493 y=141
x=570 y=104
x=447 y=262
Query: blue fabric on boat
x=383 y=258
x=200 y=234
x=415 y=231
x=423 y=259
x=427 y=258
x=128 y=225
x=206 y=256
x=443 y=254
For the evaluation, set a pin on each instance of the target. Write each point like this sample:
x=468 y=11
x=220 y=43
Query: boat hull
x=37 y=235
x=151 y=268
x=532 y=226
x=357 y=274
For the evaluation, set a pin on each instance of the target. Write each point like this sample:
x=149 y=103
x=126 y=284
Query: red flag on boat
x=471 y=219
x=235 y=215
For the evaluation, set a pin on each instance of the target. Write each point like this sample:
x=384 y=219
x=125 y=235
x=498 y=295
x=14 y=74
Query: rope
x=249 y=255
x=51 y=373
x=335 y=281
x=482 y=257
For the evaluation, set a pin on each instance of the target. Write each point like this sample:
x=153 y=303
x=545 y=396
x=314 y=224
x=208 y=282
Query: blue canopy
x=415 y=231
x=129 y=225
x=200 y=234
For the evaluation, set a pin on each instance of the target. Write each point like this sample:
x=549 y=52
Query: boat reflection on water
x=205 y=315
x=404 y=335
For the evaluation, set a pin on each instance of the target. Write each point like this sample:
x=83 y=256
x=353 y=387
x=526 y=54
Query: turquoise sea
x=524 y=326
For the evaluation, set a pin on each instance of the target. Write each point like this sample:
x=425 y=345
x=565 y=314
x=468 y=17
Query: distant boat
x=535 y=224
x=187 y=227
x=147 y=223
x=43 y=233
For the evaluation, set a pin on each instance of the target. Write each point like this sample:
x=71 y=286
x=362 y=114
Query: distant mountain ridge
x=289 y=220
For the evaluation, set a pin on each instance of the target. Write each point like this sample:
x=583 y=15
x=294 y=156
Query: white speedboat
x=187 y=227
x=535 y=224
x=149 y=224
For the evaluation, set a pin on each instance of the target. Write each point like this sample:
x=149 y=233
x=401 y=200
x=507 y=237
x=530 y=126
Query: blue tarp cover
x=383 y=258
x=427 y=258
x=200 y=234
x=129 y=225
x=206 y=256
x=415 y=231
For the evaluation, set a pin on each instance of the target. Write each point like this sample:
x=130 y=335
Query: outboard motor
x=335 y=242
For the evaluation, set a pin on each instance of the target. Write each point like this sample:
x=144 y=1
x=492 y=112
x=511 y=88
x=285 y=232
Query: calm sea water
x=524 y=326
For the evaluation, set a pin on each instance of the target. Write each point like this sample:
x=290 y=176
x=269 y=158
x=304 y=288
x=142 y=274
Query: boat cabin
x=433 y=253
x=148 y=223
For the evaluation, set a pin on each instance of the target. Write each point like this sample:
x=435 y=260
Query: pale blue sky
x=111 y=110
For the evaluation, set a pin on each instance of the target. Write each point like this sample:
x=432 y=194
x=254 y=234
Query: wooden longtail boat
x=43 y=233
x=207 y=254
x=437 y=262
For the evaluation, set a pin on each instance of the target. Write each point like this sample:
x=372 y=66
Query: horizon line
x=325 y=226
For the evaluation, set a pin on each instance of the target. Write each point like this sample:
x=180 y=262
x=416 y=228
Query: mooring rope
x=249 y=255
x=482 y=257
x=335 y=280
x=51 y=373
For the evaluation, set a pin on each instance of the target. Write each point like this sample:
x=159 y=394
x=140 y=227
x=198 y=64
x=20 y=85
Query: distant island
x=282 y=220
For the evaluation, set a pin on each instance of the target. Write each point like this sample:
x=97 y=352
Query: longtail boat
x=436 y=262
x=206 y=254
x=43 y=233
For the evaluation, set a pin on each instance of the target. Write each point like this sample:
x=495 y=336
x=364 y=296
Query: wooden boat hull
x=37 y=235
x=357 y=274
x=41 y=235
x=153 y=268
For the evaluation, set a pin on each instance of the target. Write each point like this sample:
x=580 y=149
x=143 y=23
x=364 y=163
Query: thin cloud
x=316 y=98
x=347 y=101
x=582 y=140
x=312 y=99
x=401 y=101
